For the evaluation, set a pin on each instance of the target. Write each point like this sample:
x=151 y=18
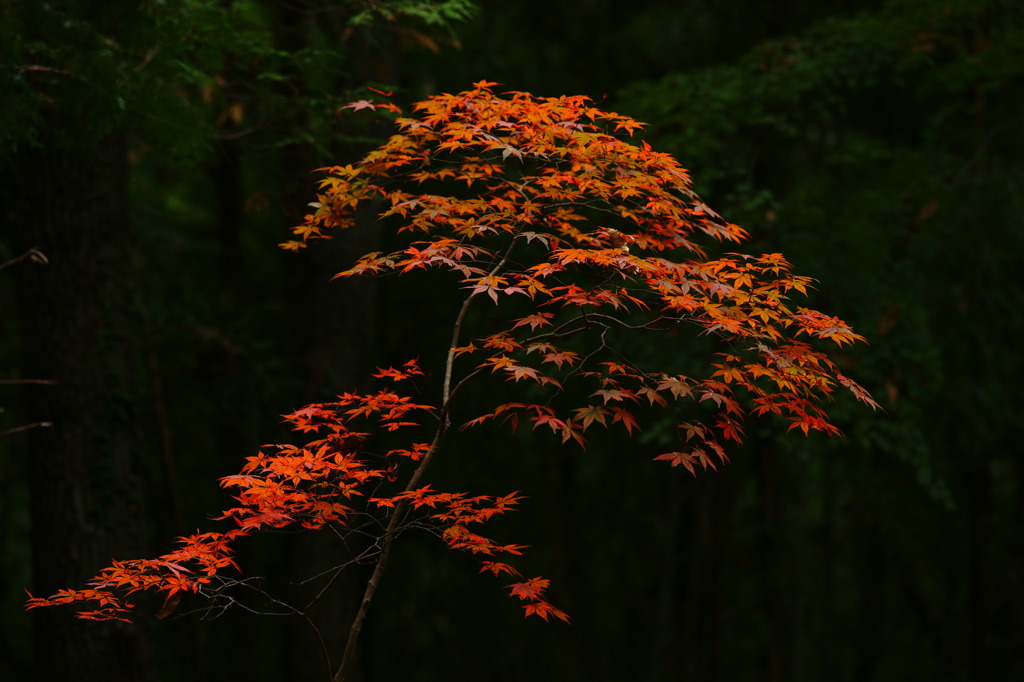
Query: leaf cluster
x=310 y=487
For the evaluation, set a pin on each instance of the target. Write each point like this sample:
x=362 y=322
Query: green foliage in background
x=883 y=149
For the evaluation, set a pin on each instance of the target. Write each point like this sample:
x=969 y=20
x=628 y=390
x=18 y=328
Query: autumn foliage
x=568 y=238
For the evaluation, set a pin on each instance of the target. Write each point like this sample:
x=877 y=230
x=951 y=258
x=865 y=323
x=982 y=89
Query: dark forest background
x=155 y=153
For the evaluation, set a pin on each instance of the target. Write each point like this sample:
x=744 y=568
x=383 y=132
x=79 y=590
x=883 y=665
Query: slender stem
x=399 y=512
x=382 y=561
x=457 y=330
x=304 y=614
x=446 y=393
x=48 y=382
x=323 y=645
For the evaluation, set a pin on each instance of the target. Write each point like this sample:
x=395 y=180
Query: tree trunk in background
x=331 y=325
x=777 y=643
x=77 y=324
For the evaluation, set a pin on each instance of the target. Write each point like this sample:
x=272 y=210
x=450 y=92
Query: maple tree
x=569 y=238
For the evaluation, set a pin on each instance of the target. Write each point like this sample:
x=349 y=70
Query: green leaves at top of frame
x=179 y=74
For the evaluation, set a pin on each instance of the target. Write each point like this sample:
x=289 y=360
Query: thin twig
x=7 y=382
x=35 y=255
x=26 y=427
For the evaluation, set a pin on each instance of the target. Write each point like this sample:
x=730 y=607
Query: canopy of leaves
x=180 y=74
x=537 y=199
